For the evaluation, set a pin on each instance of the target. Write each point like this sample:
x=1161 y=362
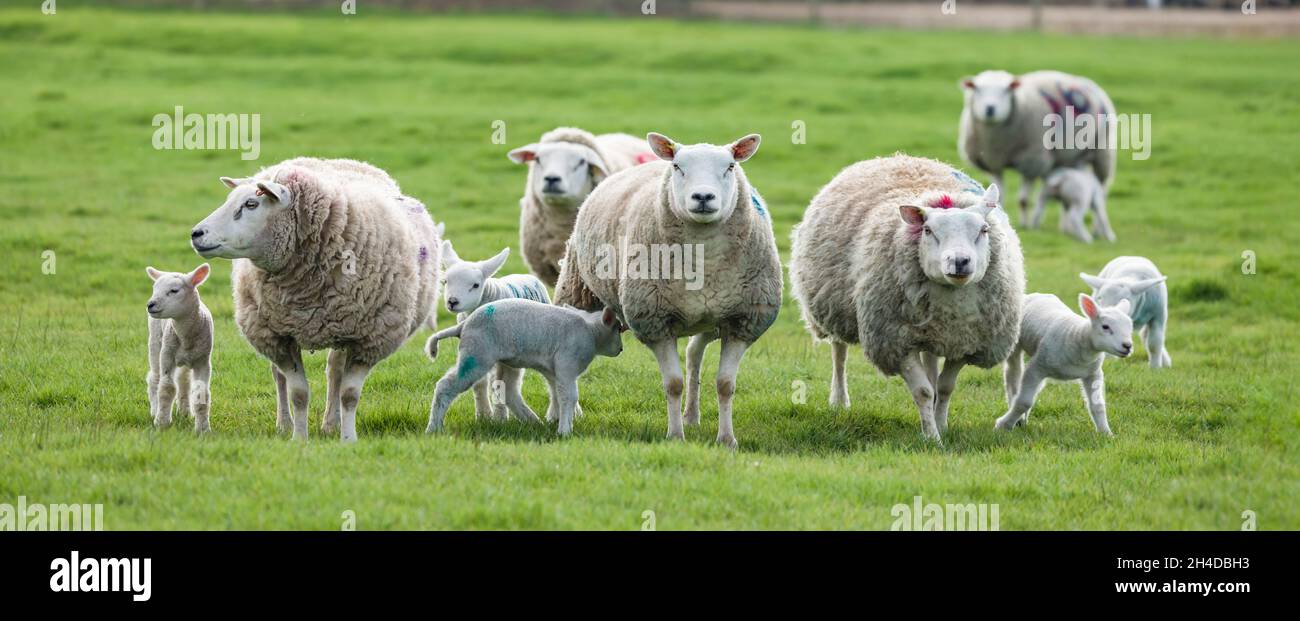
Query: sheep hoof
x=840 y=401
x=676 y=435
x=728 y=441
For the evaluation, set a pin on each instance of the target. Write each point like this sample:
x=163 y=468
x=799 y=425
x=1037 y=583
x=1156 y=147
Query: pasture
x=1195 y=445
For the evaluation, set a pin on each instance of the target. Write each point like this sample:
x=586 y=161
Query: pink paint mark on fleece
x=642 y=158
x=943 y=202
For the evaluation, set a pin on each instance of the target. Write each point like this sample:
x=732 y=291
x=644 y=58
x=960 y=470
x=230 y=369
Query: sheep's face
x=989 y=96
x=703 y=184
x=464 y=280
x=609 y=333
x=1112 y=329
x=1112 y=291
x=245 y=226
x=175 y=294
x=952 y=242
x=562 y=174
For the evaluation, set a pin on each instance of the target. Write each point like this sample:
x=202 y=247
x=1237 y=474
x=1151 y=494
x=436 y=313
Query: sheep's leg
x=498 y=393
x=931 y=363
x=335 y=366
x=839 y=388
x=1026 y=187
x=283 y=423
x=467 y=372
x=1011 y=373
x=918 y=383
x=155 y=364
x=295 y=379
x=512 y=381
x=566 y=391
x=1094 y=395
x=354 y=378
x=182 y=391
x=201 y=396
x=728 y=366
x=162 y=416
x=483 y=408
x=1030 y=384
x=943 y=392
x=1040 y=209
x=1157 y=355
x=670 y=369
x=694 y=359
x=1076 y=227
x=552 y=406
x=1100 y=220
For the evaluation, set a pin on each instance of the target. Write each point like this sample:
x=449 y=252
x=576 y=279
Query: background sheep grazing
x=1079 y=192
x=696 y=200
x=328 y=255
x=180 y=347
x=912 y=259
x=563 y=167
x=1002 y=127
x=1139 y=281
x=1062 y=345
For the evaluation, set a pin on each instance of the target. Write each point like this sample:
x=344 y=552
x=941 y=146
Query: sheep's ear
x=1015 y=84
x=912 y=214
x=449 y=256
x=1092 y=281
x=274 y=190
x=233 y=183
x=153 y=273
x=199 y=275
x=491 y=266
x=745 y=148
x=662 y=146
x=967 y=83
x=991 y=196
x=1142 y=285
x=1123 y=306
x=440 y=228
x=1088 y=306
x=523 y=154
x=594 y=160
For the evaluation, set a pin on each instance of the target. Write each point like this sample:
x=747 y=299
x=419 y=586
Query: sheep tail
x=431 y=345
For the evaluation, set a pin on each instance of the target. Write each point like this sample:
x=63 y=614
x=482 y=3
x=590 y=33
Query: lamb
x=563 y=167
x=328 y=254
x=1139 y=281
x=557 y=342
x=1003 y=124
x=180 y=347
x=913 y=259
x=693 y=208
x=1064 y=346
x=469 y=285
x=1079 y=192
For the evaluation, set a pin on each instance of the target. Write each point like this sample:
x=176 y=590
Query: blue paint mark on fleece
x=758 y=203
x=466 y=366
x=513 y=291
x=972 y=185
x=489 y=311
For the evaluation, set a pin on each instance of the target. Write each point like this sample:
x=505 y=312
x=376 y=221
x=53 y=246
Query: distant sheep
x=1002 y=126
x=180 y=347
x=1139 y=281
x=696 y=208
x=1079 y=192
x=913 y=259
x=1064 y=346
x=328 y=255
x=563 y=167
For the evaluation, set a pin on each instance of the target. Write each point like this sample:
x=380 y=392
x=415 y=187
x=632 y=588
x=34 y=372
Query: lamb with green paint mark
x=1139 y=281
x=558 y=342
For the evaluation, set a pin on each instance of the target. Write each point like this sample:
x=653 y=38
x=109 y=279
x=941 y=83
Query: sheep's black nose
x=197 y=233
x=452 y=302
x=961 y=264
x=988 y=111
x=1128 y=347
x=703 y=197
x=152 y=304
x=552 y=179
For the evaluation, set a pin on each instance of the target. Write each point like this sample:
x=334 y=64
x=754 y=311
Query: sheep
x=328 y=254
x=693 y=206
x=1139 y=281
x=469 y=285
x=563 y=167
x=1064 y=346
x=1079 y=192
x=180 y=347
x=912 y=259
x=1004 y=125
x=558 y=342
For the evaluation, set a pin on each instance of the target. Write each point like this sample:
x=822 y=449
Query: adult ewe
x=1002 y=126
x=563 y=167
x=328 y=255
x=694 y=210
x=909 y=257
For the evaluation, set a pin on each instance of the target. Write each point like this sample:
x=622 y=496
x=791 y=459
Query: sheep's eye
x=731 y=167
x=928 y=231
x=250 y=204
x=1106 y=328
x=984 y=230
x=174 y=291
x=581 y=163
x=678 y=168
x=474 y=287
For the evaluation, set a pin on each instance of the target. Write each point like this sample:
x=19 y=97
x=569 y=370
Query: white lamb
x=694 y=209
x=180 y=347
x=558 y=342
x=563 y=167
x=328 y=255
x=469 y=285
x=1139 y=282
x=1064 y=346
x=1002 y=126
x=1079 y=192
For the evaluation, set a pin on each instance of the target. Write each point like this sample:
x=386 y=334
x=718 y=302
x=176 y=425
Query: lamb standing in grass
x=1139 y=281
x=469 y=285
x=1064 y=346
x=563 y=167
x=180 y=347
x=914 y=260
x=328 y=255
x=557 y=342
x=1002 y=126
x=1079 y=192
x=696 y=206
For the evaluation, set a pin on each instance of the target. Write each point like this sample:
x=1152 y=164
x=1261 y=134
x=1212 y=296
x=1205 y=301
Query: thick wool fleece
x=1018 y=143
x=741 y=290
x=356 y=268
x=856 y=273
x=543 y=229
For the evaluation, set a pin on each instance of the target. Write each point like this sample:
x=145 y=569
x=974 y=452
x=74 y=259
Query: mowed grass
x=1195 y=446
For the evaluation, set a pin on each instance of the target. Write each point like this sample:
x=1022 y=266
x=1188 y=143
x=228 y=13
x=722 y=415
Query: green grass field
x=1195 y=446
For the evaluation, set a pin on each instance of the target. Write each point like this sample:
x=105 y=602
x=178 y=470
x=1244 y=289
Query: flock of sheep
x=909 y=258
